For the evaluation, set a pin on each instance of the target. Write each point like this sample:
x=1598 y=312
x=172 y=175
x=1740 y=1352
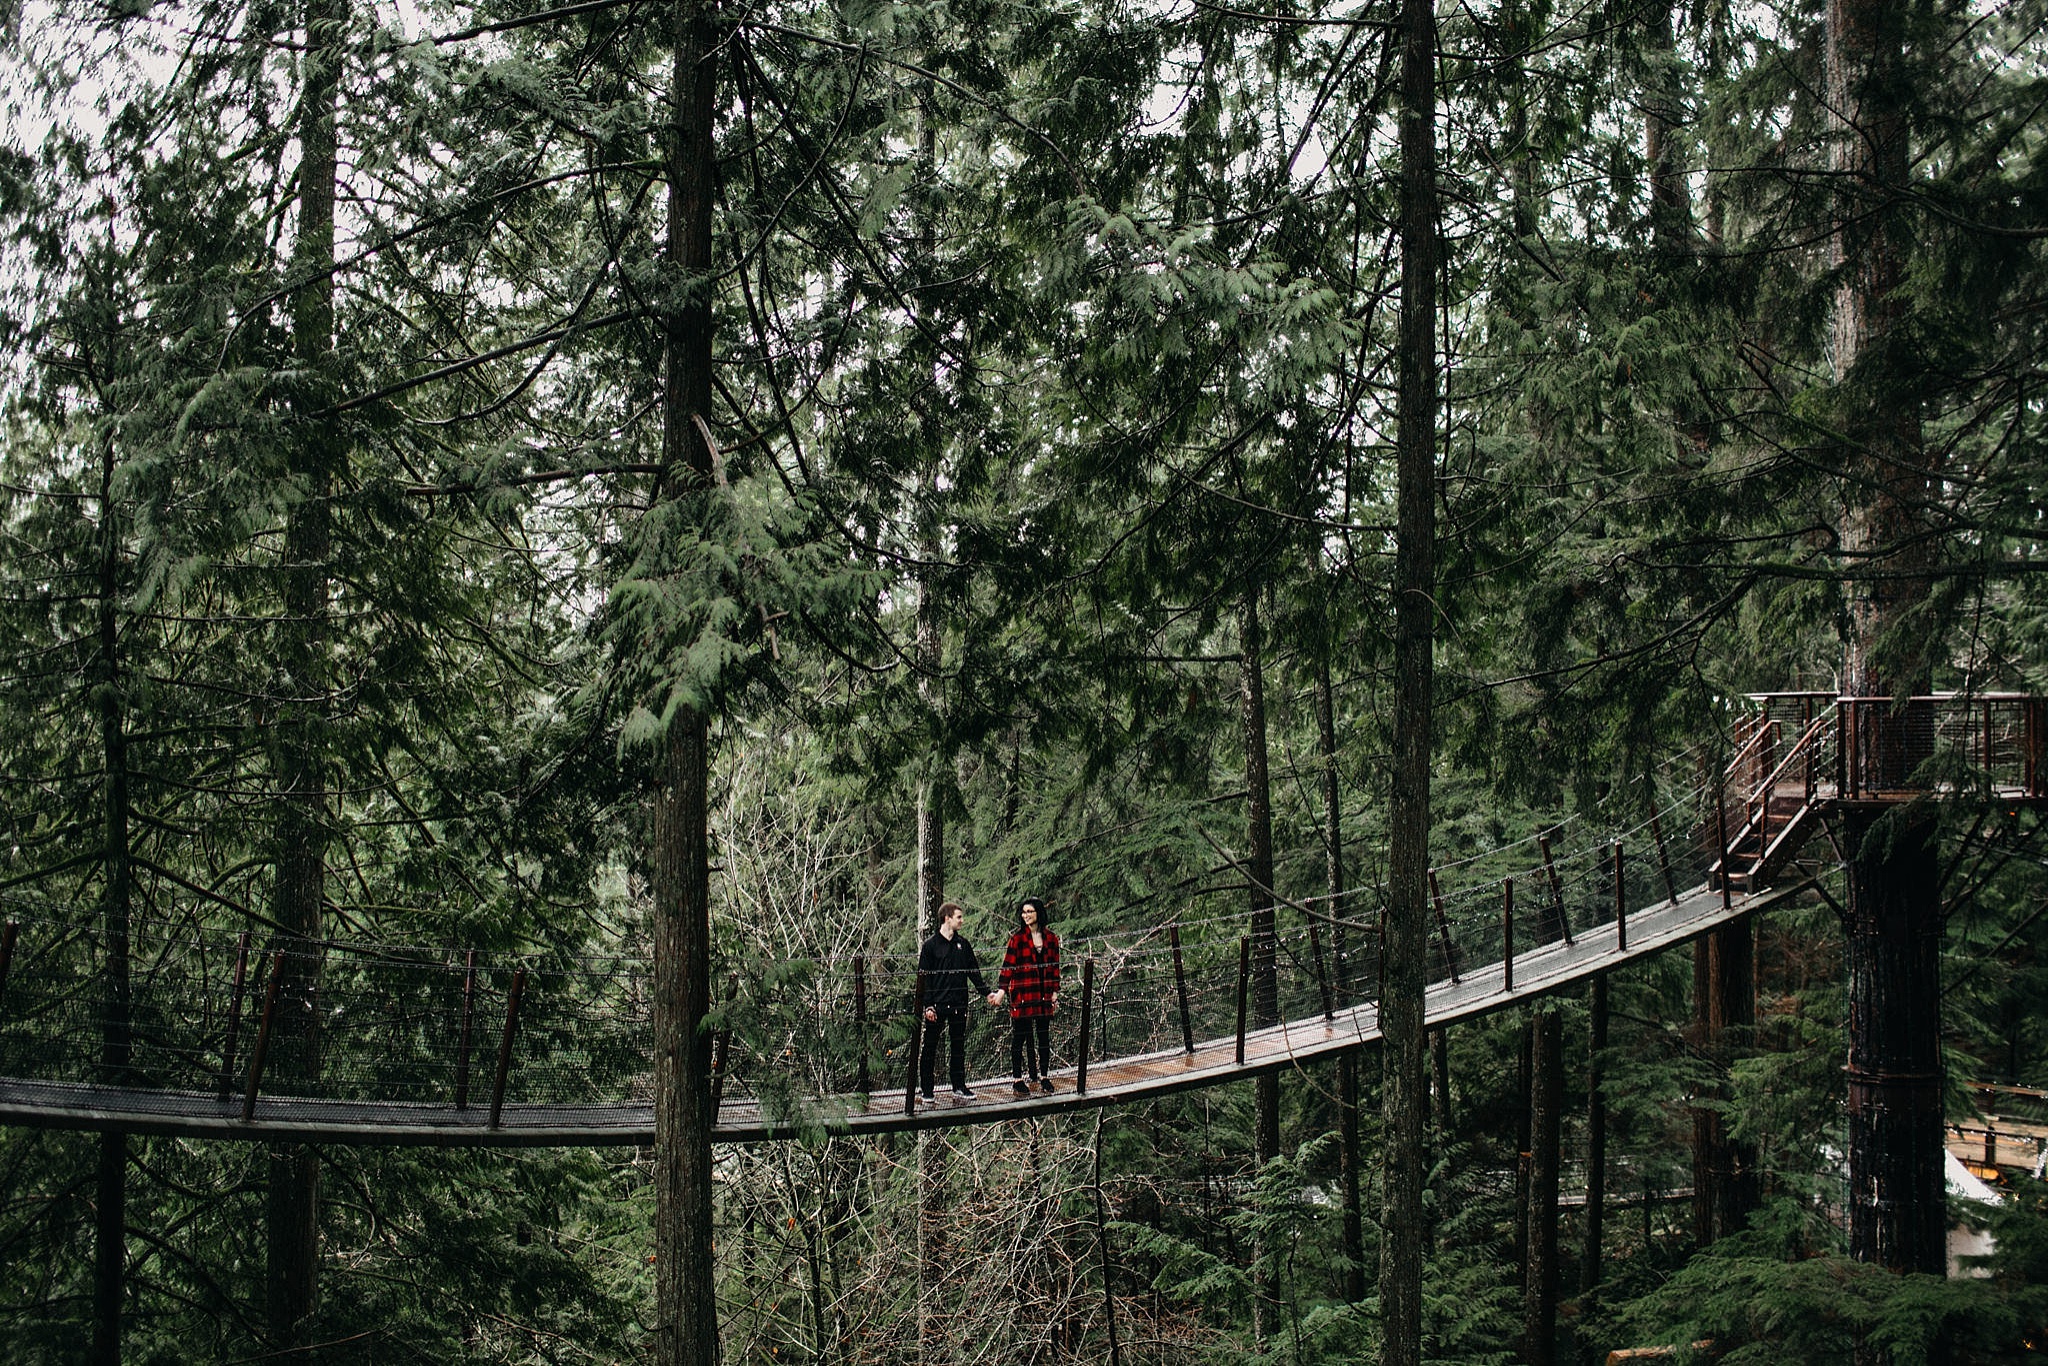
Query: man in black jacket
x=948 y=964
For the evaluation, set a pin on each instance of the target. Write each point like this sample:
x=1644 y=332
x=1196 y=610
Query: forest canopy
x=664 y=494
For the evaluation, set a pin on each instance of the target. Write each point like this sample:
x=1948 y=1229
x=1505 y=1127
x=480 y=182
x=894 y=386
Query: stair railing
x=1758 y=811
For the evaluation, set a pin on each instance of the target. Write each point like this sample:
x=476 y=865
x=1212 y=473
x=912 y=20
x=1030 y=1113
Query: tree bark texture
x=1404 y=1088
x=686 y=1326
x=1546 y=1111
x=1897 y=1213
x=292 y=1196
x=1898 y=1207
x=110 y=1242
x=1725 y=1185
x=1889 y=485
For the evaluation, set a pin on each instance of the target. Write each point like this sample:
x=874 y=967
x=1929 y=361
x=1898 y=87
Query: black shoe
x=963 y=1091
x=1046 y=1086
x=927 y=1097
x=1020 y=1088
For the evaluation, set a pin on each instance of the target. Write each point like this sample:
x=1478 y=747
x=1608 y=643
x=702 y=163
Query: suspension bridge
x=437 y=1047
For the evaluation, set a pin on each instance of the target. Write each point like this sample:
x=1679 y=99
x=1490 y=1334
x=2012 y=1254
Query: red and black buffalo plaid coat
x=1030 y=976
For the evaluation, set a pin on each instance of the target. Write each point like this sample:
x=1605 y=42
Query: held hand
x=931 y=1013
x=995 y=998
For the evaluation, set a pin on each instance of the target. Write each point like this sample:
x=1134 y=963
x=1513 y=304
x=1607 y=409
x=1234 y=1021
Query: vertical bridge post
x=1180 y=986
x=468 y=1030
x=916 y=1046
x=860 y=1023
x=1087 y=1013
x=1443 y=928
x=505 y=1046
x=227 y=1048
x=1721 y=829
x=1564 y=924
x=1507 y=934
x=1663 y=855
x=1315 y=949
x=1244 y=975
x=262 y=1049
x=1620 y=902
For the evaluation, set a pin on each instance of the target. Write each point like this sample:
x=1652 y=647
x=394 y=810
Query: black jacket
x=948 y=966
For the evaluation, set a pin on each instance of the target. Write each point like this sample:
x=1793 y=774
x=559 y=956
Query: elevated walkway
x=1292 y=1043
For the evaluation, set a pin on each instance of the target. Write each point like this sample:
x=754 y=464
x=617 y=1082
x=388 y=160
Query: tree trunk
x=1350 y=1156
x=1663 y=116
x=110 y=1254
x=1596 y=1140
x=1333 y=824
x=1258 y=822
x=1546 y=1108
x=1725 y=1189
x=931 y=815
x=1350 y=1166
x=1525 y=1078
x=292 y=1201
x=1440 y=1054
x=1706 y=1122
x=1404 y=1089
x=1898 y=1206
x=686 y=1315
x=1897 y=1211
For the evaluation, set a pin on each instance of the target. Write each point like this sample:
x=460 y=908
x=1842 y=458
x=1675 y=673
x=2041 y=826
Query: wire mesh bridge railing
x=244 y=1026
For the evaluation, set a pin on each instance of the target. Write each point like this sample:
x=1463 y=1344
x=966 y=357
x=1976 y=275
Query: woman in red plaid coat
x=1030 y=981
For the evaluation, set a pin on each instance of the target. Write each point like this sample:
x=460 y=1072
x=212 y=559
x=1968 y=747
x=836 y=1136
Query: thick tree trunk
x=1404 y=1089
x=1898 y=1208
x=686 y=1314
x=1725 y=1189
x=292 y=1203
x=1546 y=1110
x=110 y=1254
x=1897 y=1214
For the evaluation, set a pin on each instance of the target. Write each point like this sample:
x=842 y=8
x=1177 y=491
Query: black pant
x=953 y=1020
x=1031 y=1043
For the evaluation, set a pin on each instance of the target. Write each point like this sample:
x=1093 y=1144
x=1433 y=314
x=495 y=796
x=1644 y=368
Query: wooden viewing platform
x=1803 y=754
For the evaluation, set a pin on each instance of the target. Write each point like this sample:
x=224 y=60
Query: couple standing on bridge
x=1029 y=983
